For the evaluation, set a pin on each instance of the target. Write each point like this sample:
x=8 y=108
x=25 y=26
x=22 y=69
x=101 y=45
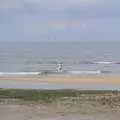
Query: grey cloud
x=57 y=4
x=59 y=19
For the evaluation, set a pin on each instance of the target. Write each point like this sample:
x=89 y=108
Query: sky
x=59 y=20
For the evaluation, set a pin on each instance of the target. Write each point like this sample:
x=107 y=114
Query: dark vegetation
x=45 y=95
x=78 y=97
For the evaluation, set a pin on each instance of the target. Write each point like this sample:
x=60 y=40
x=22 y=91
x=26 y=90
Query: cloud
x=53 y=4
x=6 y=4
x=29 y=19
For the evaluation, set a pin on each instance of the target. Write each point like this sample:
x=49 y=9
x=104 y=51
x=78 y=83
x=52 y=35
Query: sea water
x=56 y=86
x=76 y=58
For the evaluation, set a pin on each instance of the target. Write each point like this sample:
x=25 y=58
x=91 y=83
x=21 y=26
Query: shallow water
x=53 y=86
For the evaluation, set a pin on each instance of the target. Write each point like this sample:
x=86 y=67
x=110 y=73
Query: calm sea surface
x=77 y=58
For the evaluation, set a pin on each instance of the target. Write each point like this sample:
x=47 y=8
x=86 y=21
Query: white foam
x=17 y=73
x=85 y=72
x=104 y=62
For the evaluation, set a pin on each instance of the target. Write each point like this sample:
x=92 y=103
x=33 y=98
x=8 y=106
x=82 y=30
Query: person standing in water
x=59 y=67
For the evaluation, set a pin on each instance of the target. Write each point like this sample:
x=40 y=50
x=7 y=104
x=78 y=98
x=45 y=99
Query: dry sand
x=24 y=112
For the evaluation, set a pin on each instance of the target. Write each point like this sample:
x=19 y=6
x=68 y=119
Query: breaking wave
x=72 y=62
x=85 y=72
x=17 y=73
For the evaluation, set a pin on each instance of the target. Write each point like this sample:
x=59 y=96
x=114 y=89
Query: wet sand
x=84 y=79
x=62 y=79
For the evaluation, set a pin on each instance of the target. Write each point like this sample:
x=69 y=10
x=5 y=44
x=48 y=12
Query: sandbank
x=62 y=79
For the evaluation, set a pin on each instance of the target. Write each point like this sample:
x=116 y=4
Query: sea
x=76 y=58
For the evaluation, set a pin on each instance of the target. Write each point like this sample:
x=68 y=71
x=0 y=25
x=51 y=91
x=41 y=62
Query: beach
x=92 y=105
x=58 y=105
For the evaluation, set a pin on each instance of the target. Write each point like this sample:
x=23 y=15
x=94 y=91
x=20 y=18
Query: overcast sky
x=59 y=20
